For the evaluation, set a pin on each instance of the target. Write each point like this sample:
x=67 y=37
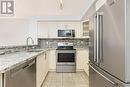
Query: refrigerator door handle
x=99 y=25
x=109 y=80
x=95 y=38
x=98 y=36
x=101 y=37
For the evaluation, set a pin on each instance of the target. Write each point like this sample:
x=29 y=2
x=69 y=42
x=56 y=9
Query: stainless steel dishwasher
x=21 y=76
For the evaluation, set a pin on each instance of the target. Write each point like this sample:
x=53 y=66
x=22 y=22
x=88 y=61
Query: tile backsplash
x=46 y=43
x=52 y=43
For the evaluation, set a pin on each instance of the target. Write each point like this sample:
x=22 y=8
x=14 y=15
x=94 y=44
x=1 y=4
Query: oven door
x=66 y=57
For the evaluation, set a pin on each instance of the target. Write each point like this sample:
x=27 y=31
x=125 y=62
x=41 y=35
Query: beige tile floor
x=53 y=79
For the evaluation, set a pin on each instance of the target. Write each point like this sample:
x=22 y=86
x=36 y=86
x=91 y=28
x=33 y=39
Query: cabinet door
x=46 y=63
x=40 y=69
x=52 y=60
x=77 y=27
x=78 y=31
x=53 y=30
x=86 y=59
x=1 y=81
x=85 y=28
x=47 y=60
x=43 y=29
x=66 y=25
x=82 y=60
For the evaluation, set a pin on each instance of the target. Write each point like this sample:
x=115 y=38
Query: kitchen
x=56 y=44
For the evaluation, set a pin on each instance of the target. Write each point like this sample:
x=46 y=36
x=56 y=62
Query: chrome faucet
x=27 y=44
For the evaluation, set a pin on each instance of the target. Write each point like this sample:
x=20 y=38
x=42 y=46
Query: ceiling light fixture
x=61 y=4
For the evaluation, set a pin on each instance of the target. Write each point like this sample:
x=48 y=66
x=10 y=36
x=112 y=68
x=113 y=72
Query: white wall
x=13 y=31
x=70 y=7
x=90 y=11
x=33 y=31
x=23 y=9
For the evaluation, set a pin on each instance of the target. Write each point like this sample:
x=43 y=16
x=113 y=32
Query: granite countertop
x=10 y=61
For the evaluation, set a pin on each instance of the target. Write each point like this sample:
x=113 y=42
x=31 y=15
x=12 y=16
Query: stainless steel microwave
x=66 y=33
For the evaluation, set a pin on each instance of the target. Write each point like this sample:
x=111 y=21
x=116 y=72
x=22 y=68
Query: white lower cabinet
x=41 y=68
x=52 y=60
x=1 y=81
x=82 y=60
x=47 y=62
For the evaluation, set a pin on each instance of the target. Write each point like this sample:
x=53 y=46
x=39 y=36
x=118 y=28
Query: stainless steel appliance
x=110 y=45
x=21 y=76
x=66 y=60
x=66 y=33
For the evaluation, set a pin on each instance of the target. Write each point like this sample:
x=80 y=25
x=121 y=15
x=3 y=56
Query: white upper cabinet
x=49 y=29
x=43 y=30
x=78 y=30
x=53 y=30
x=85 y=28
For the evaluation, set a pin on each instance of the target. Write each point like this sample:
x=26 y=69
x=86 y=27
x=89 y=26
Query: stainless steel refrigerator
x=109 y=52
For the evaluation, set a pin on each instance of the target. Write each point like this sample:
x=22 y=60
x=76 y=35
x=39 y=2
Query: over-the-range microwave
x=66 y=33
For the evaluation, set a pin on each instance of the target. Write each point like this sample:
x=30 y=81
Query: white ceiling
x=71 y=8
x=50 y=9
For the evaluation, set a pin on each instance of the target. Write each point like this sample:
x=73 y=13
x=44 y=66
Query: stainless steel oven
x=66 y=61
x=66 y=56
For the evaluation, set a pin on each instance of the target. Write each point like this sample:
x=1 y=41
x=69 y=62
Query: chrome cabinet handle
x=112 y=82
